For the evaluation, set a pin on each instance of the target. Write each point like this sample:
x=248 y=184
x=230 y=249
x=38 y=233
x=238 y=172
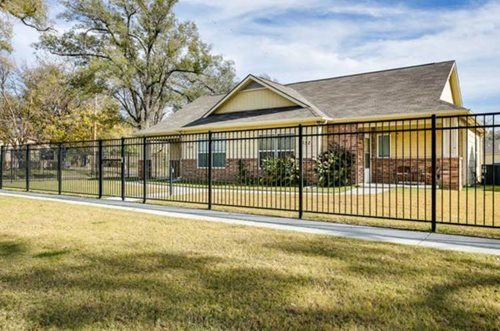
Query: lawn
x=470 y=206
x=66 y=266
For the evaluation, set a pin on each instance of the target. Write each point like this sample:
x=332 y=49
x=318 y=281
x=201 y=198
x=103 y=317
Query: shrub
x=334 y=167
x=244 y=176
x=280 y=171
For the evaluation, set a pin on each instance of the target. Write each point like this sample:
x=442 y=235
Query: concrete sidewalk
x=416 y=238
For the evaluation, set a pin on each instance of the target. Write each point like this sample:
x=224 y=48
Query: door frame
x=367 y=152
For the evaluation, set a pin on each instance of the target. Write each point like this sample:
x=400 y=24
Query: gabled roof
x=281 y=90
x=406 y=90
x=409 y=90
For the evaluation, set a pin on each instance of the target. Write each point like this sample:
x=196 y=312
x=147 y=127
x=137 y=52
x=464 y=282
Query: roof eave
x=238 y=87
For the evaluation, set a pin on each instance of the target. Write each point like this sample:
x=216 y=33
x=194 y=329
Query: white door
x=368 y=159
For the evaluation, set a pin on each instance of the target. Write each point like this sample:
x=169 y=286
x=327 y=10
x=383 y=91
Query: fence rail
x=437 y=169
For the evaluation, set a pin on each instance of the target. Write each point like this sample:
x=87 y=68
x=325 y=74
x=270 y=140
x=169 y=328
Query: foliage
x=335 y=166
x=30 y=12
x=280 y=171
x=51 y=103
x=150 y=61
x=244 y=176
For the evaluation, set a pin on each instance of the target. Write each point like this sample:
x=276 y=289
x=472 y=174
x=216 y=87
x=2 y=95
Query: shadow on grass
x=52 y=254
x=465 y=298
x=367 y=286
x=11 y=248
x=152 y=290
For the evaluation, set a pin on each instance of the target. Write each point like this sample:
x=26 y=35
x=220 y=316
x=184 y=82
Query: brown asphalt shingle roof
x=397 y=91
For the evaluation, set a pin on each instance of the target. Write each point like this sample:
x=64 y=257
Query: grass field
x=470 y=206
x=66 y=266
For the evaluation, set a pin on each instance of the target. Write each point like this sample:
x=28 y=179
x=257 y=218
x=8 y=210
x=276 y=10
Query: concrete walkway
x=416 y=238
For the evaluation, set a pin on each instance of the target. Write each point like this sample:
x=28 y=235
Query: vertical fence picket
x=228 y=168
x=209 y=170
x=301 y=172
x=59 y=168
x=434 y=173
x=144 y=169
x=2 y=152
x=122 y=168
x=27 y=166
x=101 y=168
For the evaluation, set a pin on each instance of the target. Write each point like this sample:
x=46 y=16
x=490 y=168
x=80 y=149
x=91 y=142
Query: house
x=341 y=110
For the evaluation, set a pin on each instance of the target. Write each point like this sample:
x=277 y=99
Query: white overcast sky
x=293 y=40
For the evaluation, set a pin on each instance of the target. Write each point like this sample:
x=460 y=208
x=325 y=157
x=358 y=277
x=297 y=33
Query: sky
x=295 y=40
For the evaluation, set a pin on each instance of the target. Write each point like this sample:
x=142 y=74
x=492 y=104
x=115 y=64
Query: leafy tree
x=150 y=61
x=30 y=12
x=51 y=103
x=334 y=167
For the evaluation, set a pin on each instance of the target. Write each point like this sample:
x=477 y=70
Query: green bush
x=280 y=171
x=334 y=167
x=244 y=176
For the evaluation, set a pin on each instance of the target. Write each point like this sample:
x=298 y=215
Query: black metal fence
x=428 y=169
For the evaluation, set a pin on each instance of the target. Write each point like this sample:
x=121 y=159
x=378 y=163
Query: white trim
x=390 y=144
x=370 y=152
x=276 y=150
x=204 y=140
x=238 y=89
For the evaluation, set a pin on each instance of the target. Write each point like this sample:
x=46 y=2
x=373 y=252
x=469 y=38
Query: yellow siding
x=175 y=151
x=447 y=94
x=253 y=100
x=415 y=144
x=248 y=148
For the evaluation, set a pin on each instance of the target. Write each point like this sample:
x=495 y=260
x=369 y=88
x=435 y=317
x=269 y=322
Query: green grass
x=75 y=267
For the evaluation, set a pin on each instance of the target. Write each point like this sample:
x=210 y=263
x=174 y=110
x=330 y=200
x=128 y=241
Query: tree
x=52 y=103
x=13 y=116
x=150 y=61
x=30 y=12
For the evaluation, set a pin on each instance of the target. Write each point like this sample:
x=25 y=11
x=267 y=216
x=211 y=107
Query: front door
x=368 y=159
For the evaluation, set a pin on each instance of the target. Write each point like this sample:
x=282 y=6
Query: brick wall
x=347 y=136
x=392 y=171
x=190 y=171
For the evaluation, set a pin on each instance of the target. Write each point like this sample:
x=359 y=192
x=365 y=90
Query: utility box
x=491 y=174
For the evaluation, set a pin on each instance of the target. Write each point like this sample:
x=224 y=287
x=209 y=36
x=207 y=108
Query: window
x=218 y=153
x=384 y=145
x=275 y=147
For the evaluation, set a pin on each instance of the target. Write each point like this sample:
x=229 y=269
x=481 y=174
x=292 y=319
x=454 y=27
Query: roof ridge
x=369 y=72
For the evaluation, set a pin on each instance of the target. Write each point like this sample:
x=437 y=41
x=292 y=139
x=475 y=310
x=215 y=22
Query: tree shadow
x=435 y=283
x=11 y=247
x=170 y=290
x=52 y=254
x=364 y=287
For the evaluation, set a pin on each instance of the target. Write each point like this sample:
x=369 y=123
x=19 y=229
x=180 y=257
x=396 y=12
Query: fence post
x=301 y=173
x=144 y=170
x=122 y=169
x=100 y=165
x=59 y=168
x=2 y=151
x=209 y=169
x=27 y=165
x=434 y=173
